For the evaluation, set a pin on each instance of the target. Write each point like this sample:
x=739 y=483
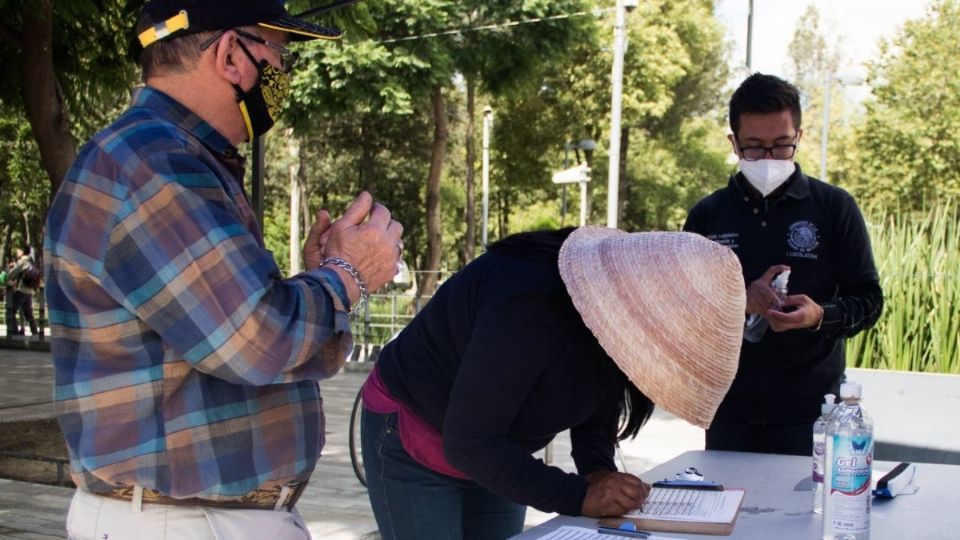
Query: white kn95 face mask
x=766 y=175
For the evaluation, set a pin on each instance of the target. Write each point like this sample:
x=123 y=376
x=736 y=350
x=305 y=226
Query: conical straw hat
x=666 y=306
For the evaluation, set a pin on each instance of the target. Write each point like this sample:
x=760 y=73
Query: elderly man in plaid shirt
x=186 y=366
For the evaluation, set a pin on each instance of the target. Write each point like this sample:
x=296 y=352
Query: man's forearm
x=854 y=310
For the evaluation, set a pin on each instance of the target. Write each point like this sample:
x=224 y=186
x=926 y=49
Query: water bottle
x=756 y=324
x=819 y=447
x=849 y=468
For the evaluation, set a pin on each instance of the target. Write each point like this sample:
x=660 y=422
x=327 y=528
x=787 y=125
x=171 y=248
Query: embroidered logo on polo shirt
x=730 y=239
x=803 y=238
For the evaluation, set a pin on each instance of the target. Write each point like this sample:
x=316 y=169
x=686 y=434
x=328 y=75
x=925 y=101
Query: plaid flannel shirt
x=183 y=362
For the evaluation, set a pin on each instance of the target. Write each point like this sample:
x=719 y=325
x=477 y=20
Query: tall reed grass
x=918 y=257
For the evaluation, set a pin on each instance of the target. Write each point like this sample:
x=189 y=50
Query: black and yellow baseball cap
x=177 y=18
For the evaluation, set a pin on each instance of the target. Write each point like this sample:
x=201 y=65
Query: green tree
x=674 y=70
x=812 y=63
x=504 y=55
x=22 y=181
x=811 y=59
x=683 y=122
x=369 y=108
x=910 y=140
x=379 y=78
x=406 y=62
x=69 y=68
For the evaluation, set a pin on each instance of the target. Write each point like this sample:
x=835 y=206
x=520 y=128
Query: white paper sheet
x=703 y=506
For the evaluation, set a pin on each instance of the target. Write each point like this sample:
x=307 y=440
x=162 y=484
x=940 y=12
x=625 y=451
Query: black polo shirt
x=818 y=231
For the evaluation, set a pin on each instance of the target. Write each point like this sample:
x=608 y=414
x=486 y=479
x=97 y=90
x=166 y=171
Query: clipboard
x=685 y=510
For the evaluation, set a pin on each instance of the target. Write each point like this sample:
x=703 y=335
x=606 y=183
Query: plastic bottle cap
x=780 y=282
x=829 y=402
x=850 y=390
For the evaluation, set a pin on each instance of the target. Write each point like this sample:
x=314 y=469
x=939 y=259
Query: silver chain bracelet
x=355 y=274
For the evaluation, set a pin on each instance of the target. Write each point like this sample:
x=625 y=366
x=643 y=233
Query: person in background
x=186 y=366
x=776 y=218
x=20 y=275
x=546 y=331
x=9 y=307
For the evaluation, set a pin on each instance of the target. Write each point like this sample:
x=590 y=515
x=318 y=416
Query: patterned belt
x=260 y=499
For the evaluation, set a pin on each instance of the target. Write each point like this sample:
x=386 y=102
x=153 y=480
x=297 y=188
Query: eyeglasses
x=288 y=58
x=777 y=151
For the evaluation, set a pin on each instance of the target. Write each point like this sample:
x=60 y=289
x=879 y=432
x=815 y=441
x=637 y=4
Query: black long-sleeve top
x=500 y=362
x=818 y=230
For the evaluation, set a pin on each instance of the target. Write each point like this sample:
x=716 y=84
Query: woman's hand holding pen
x=613 y=494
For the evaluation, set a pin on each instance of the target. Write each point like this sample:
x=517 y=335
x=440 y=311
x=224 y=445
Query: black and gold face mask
x=260 y=106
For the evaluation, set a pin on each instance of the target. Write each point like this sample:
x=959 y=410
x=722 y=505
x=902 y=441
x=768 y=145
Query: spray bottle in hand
x=756 y=324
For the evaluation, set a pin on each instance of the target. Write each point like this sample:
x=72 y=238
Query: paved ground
x=334 y=505
x=26 y=385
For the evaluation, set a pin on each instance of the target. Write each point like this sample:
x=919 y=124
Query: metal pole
x=487 y=125
x=825 y=132
x=563 y=192
x=613 y=185
x=583 y=203
x=750 y=38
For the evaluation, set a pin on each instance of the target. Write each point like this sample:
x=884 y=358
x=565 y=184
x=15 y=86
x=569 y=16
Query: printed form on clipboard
x=673 y=509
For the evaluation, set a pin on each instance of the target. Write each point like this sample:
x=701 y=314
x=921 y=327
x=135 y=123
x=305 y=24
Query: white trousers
x=93 y=517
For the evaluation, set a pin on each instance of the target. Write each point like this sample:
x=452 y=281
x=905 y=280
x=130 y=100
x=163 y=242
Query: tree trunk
x=469 y=241
x=367 y=172
x=503 y=219
x=43 y=96
x=27 y=235
x=438 y=151
x=5 y=246
x=624 y=186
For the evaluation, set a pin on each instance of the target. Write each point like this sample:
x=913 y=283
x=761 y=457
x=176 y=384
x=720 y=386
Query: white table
x=778 y=501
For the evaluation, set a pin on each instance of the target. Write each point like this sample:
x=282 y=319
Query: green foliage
x=917 y=255
x=813 y=61
x=540 y=215
x=901 y=162
x=675 y=171
x=22 y=180
x=372 y=91
x=93 y=59
x=910 y=140
x=812 y=58
x=507 y=56
x=335 y=166
x=91 y=43
x=91 y=73
x=368 y=74
x=361 y=115
x=674 y=72
x=366 y=101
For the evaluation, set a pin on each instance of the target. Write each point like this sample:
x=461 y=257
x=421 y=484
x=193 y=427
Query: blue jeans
x=411 y=501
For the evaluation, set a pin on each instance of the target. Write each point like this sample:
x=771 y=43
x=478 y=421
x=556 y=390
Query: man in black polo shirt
x=776 y=218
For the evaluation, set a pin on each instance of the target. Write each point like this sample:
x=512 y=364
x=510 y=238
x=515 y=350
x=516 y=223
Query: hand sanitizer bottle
x=756 y=324
x=819 y=448
x=848 y=471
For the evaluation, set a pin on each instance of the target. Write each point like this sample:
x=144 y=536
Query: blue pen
x=689 y=484
x=625 y=529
